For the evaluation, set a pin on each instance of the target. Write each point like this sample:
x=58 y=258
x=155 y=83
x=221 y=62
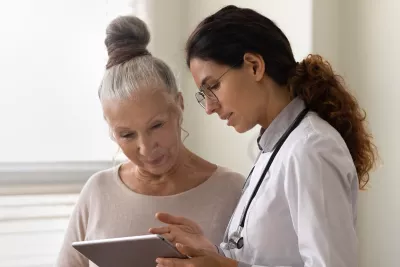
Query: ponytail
x=323 y=92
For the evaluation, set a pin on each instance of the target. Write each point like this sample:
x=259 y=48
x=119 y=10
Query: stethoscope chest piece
x=236 y=240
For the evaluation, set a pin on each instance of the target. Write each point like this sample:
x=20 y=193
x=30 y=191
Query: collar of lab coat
x=270 y=136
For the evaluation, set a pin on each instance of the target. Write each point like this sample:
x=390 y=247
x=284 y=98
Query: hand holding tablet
x=141 y=251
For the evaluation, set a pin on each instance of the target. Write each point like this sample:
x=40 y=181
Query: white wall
x=369 y=58
x=209 y=136
x=166 y=19
x=326 y=28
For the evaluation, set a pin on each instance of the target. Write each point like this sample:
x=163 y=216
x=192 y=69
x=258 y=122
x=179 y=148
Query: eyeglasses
x=205 y=91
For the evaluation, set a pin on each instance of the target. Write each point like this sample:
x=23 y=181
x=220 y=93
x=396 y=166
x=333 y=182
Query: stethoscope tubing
x=236 y=241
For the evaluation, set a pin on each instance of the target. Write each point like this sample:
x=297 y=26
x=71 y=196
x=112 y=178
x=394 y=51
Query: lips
x=226 y=117
x=155 y=161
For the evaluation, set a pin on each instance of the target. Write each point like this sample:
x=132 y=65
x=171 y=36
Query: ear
x=255 y=65
x=179 y=100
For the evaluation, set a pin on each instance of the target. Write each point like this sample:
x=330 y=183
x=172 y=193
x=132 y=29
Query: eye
x=214 y=86
x=127 y=135
x=209 y=87
x=157 y=125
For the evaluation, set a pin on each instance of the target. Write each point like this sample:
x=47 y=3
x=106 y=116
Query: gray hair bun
x=127 y=38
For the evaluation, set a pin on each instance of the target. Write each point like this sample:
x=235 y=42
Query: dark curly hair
x=227 y=35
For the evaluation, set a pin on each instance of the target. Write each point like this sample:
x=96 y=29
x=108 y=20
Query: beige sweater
x=106 y=208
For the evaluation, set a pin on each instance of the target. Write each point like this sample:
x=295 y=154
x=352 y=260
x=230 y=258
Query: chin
x=242 y=128
x=161 y=169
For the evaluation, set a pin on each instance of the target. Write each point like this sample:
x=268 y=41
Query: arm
x=76 y=231
x=321 y=187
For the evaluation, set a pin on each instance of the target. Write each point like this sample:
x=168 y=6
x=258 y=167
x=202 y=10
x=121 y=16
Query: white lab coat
x=304 y=213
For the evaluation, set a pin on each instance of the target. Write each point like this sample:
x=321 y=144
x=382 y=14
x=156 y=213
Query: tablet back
x=141 y=251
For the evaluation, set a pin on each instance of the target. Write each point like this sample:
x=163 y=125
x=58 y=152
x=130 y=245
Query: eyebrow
x=122 y=128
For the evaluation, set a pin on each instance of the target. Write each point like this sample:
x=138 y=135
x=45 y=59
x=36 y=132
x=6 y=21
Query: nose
x=211 y=106
x=145 y=146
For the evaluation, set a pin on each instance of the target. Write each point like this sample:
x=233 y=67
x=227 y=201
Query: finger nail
x=159 y=264
x=179 y=245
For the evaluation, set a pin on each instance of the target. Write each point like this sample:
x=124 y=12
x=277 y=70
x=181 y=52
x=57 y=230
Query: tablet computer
x=130 y=251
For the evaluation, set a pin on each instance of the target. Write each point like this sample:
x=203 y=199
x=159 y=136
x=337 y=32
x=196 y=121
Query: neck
x=275 y=99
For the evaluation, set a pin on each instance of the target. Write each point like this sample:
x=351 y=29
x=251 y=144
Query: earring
x=187 y=134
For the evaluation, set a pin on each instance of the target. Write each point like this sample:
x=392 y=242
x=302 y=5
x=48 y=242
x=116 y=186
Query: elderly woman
x=143 y=108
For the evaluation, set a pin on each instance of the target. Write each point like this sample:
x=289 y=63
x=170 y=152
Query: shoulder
x=99 y=182
x=228 y=178
x=226 y=185
x=103 y=177
x=316 y=136
x=317 y=149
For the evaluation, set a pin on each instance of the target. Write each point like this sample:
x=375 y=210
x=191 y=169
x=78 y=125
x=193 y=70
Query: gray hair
x=130 y=65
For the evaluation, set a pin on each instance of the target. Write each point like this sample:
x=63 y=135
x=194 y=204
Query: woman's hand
x=183 y=231
x=198 y=258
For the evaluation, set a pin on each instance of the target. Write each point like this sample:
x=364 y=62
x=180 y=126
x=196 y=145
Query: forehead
x=203 y=70
x=139 y=108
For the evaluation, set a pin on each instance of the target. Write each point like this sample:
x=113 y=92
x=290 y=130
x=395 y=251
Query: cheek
x=168 y=138
x=129 y=149
x=232 y=95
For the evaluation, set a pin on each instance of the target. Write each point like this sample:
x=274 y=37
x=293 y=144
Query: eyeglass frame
x=213 y=97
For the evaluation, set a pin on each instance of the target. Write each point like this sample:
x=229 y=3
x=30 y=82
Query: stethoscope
x=235 y=241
